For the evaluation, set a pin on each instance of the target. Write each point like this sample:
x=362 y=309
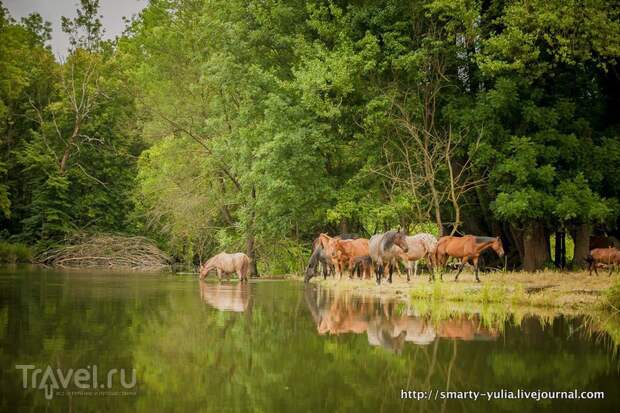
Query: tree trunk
x=517 y=238
x=535 y=247
x=560 y=249
x=581 y=236
x=250 y=242
x=70 y=142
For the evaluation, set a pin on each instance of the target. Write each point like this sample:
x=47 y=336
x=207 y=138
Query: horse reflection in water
x=342 y=313
x=226 y=297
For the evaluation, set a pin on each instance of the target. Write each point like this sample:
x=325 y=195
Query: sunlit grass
x=555 y=289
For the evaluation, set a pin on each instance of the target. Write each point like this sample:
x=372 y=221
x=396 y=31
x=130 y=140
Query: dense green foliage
x=69 y=140
x=254 y=125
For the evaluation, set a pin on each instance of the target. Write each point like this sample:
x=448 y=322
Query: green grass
x=612 y=296
x=14 y=253
x=550 y=289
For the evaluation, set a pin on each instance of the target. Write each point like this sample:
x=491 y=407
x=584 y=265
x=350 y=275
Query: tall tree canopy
x=254 y=125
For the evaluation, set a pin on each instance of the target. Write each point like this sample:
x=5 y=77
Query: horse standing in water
x=383 y=250
x=420 y=246
x=466 y=247
x=225 y=263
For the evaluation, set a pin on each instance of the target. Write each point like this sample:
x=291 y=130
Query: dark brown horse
x=385 y=248
x=606 y=256
x=466 y=247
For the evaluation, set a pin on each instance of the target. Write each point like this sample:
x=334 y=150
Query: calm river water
x=276 y=346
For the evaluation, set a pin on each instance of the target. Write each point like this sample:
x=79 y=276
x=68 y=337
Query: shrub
x=612 y=297
x=14 y=253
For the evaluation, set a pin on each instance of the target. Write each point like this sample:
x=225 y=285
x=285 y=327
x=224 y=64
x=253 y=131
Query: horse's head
x=330 y=245
x=203 y=271
x=498 y=247
x=400 y=239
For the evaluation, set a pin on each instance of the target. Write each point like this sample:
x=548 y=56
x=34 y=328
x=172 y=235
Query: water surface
x=275 y=346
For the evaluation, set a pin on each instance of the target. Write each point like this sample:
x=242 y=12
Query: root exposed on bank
x=106 y=251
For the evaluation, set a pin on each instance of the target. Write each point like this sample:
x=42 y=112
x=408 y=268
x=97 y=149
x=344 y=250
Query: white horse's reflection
x=226 y=297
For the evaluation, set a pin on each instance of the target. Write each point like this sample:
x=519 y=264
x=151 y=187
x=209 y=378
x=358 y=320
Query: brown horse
x=466 y=247
x=342 y=252
x=348 y=250
x=225 y=263
x=607 y=256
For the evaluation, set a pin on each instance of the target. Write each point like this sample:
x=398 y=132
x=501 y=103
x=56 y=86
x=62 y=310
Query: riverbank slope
x=551 y=289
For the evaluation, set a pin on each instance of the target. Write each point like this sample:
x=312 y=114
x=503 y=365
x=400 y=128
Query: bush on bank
x=12 y=253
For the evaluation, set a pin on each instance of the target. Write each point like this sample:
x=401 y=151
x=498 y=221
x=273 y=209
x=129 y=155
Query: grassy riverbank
x=575 y=291
x=14 y=253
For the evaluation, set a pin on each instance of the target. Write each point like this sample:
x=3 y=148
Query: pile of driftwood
x=109 y=251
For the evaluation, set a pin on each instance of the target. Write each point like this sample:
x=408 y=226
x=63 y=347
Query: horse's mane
x=347 y=236
x=388 y=239
x=314 y=258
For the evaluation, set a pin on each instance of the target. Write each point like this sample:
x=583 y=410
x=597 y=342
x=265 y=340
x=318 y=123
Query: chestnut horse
x=320 y=256
x=348 y=250
x=383 y=250
x=466 y=247
x=607 y=256
x=342 y=252
x=225 y=263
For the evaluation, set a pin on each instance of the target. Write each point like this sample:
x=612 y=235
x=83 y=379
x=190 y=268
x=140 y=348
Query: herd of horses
x=386 y=251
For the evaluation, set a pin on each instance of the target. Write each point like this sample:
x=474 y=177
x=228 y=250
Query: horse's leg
x=391 y=272
x=219 y=275
x=476 y=268
x=463 y=261
x=442 y=262
x=379 y=273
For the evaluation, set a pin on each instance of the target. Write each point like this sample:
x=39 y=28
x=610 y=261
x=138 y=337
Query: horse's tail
x=245 y=267
x=590 y=260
